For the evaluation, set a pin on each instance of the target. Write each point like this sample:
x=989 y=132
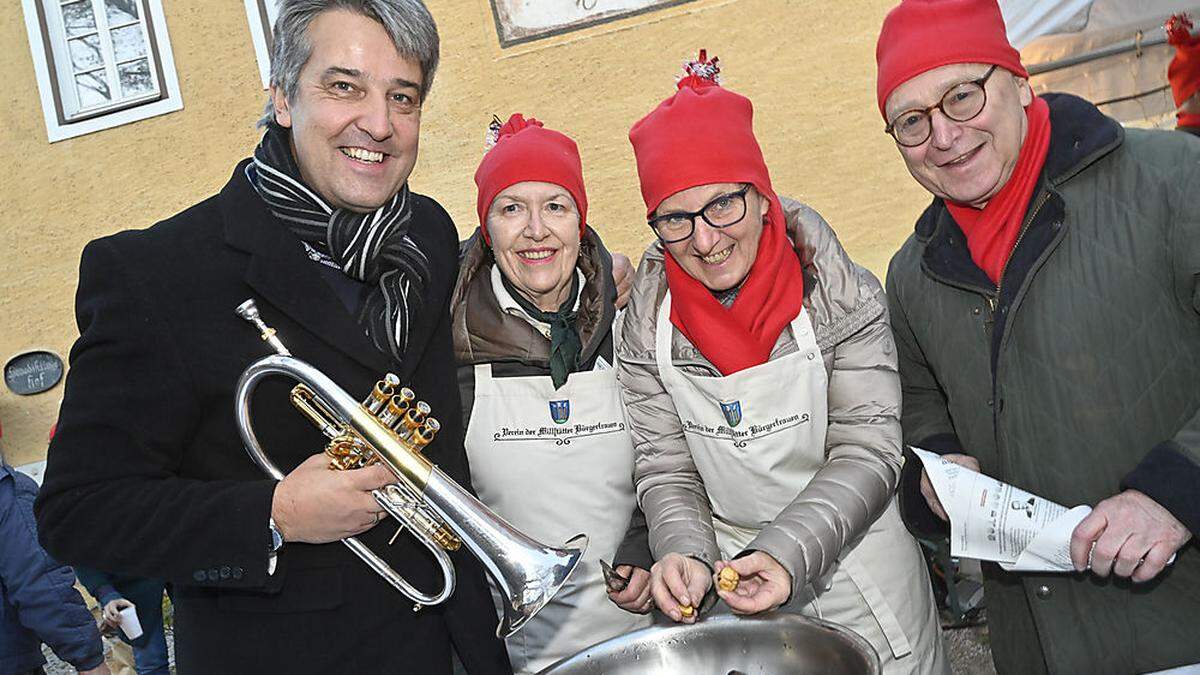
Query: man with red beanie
x=1047 y=316
x=759 y=374
x=1184 y=72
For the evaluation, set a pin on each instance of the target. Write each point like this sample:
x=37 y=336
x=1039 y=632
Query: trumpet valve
x=382 y=392
x=423 y=435
x=397 y=406
x=413 y=419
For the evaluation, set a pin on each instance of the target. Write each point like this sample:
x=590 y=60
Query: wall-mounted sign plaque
x=33 y=372
x=520 y=21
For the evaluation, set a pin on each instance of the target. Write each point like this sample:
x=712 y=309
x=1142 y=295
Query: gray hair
x=407 y=22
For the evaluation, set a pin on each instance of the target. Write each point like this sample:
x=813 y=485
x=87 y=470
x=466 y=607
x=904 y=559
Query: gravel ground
x=969 y=651
x=55 y=666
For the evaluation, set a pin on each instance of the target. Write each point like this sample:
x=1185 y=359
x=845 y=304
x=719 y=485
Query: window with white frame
x=100 y=63
x=109 y=61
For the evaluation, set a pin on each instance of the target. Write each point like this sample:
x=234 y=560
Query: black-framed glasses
x=721 y=211
x=963 y=102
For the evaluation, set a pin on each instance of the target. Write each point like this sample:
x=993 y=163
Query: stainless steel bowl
x=730 y=645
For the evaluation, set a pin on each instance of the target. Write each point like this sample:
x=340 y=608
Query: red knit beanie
x=527 y=151
x=920 y=35
x=702 y=134
x=1184 y=71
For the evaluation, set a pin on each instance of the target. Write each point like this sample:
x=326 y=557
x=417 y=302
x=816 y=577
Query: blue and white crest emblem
x=560 y=411
x=733 y=413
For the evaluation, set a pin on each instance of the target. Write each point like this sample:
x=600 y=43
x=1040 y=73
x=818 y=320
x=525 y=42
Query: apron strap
x=879 y=606
x=663 y=331
x=483 y=378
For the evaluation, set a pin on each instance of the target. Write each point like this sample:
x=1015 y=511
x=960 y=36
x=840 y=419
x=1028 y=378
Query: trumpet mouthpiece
x=248 y=310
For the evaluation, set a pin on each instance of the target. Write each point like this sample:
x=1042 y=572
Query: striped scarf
x=374 y=248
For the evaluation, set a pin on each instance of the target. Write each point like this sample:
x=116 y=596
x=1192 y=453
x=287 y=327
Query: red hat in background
x=1184 y=71
x=920 y=35
x=525 y=150
x=702 y=134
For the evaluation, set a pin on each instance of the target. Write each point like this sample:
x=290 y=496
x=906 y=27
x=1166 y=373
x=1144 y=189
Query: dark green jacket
x=1077 y=378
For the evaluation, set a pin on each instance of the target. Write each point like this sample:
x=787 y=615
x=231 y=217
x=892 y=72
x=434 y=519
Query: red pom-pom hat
x=527 y=151
x=702 y=134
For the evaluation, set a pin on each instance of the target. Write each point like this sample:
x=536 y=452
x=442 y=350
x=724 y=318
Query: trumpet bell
x=526 y=572
x=537 y=580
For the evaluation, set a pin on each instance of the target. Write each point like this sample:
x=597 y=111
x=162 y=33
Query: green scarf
x=565 y=346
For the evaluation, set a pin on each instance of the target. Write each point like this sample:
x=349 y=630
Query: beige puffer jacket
x=849 y=316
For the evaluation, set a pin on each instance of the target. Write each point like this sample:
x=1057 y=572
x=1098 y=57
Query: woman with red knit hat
x=759 y=373
x=1046 y=309
x=532 y=320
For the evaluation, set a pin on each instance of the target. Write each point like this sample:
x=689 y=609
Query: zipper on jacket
x=990 y=322
x=1002 y=456
x=994 y=298
x=1037 y=206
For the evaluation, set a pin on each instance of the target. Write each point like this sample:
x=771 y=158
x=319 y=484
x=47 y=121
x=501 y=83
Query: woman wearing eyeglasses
x=759 y=373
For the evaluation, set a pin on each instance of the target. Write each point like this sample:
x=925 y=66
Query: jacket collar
x=1079 y=136
x=509 y=305
x=281 y=273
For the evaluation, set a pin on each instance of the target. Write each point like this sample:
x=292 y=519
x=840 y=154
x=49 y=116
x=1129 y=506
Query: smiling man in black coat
x=147 y=475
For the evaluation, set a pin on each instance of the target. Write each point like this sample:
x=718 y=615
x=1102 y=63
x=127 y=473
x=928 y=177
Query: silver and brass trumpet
x=391 y=426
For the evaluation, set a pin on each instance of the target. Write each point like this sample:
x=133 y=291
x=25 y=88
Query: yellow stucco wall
x=807 y=65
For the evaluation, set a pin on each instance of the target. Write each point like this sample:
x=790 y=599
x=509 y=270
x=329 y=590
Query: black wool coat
x=147 y=475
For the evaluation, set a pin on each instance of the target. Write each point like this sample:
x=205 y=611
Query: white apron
x=555 y=464
x=757 y=437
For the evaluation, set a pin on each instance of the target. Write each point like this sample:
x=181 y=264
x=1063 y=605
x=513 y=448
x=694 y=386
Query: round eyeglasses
x=963 y=102
x=720 y=212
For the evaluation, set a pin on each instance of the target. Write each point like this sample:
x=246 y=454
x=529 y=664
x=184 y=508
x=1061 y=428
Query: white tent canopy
x=1111 y=52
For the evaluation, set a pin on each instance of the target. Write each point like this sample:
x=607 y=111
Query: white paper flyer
x=991 y=520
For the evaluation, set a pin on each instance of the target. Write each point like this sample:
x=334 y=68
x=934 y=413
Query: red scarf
x=1187 y=119
x=743 y=335
x=993 y=230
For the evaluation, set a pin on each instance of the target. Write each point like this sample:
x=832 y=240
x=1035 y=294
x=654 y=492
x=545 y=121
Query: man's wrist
x=278 y=515
x=1169 y=477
